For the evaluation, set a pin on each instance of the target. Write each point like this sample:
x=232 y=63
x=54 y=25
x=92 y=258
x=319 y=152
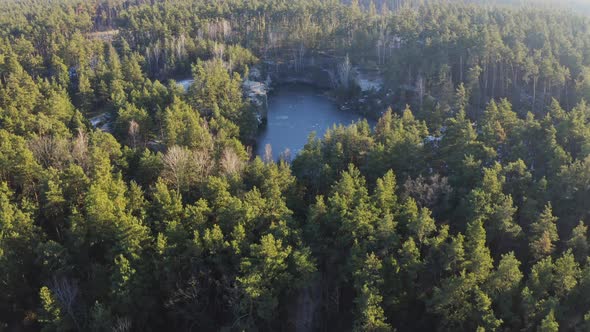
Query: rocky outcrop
x=103 y=121
x=257 y=94
x=256 y=91
x=288 y=66
x=315 y=69
x=319 y=70
x=368 y=80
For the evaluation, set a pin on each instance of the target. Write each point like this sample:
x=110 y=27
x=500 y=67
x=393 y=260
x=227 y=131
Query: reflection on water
x=294 y=111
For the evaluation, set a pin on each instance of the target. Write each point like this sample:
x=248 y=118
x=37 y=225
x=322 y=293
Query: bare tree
x=202 y=164
x=286 y=156
x=176 y=166
x=268 y=153
x=219 y=29
x=183 y=167
x=421 y=88
x=50 y=151
x=219 y=51
x=431 y=192
x=230 y=162
x=272 y=42
x=181 y=47
x=379 y=49
x=80 y=149
x=66 y=292
x=123 y=324
x=156 y=51
x=345 y=73
x=133 y=132
x=226 y=28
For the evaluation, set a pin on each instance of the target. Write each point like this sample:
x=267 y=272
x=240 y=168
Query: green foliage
x=479 y=260
x=183 y=126
x=578 y=241
x=543 y=234
x=129 y=204
x=51 y=312
x=549 y=324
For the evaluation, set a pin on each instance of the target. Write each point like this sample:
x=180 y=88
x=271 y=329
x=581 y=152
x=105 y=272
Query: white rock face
x=368 y=81
x=185 y=84
x=103 y=122
x=255 y=90
x=257 y=93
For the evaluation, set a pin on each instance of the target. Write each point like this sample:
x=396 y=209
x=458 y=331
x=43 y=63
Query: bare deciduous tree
x=50 y=151
x=230 y=162
x=268 y=153
x=202 y=164
x=345 y=73
x=180 y=47
x=420 y=87
x=133 y=132
x=429 y=192
x=176 y=166
x=123 y=324
x=80 y=149
x=66 y=292
x=183 y=167
x=286 y=155
x=219 y=51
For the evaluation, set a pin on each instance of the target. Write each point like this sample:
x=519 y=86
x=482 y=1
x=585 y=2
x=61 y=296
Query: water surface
x=294 y=112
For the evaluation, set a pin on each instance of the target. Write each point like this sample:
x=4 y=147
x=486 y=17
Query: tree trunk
x=461 y=69
x=544 y=93
x=534 y=92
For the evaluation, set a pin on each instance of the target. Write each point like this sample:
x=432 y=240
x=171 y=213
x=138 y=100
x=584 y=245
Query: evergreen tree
x=543 y=234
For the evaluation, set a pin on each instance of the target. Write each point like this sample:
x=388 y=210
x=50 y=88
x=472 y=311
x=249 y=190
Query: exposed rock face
x=318 y=70
x=368 y=80
x=315 y=69
x=186 y=83
x=321 y=70
x=256 y=91
x=103 y=121
x=257 y=94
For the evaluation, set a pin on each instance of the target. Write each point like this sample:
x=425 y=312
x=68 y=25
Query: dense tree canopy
x=129 y=203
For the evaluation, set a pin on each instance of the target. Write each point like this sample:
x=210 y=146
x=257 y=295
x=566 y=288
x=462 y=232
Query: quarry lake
x=294 y=112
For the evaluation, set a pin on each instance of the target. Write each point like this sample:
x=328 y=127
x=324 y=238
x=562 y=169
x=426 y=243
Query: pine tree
x=479 y=260
x=370 y=315
x=578 y=241
x=567 y=274
x=549 y=324
x=503 y=286
x=543 y=234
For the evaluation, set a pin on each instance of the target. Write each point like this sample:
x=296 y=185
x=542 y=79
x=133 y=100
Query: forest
x=128 y=203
